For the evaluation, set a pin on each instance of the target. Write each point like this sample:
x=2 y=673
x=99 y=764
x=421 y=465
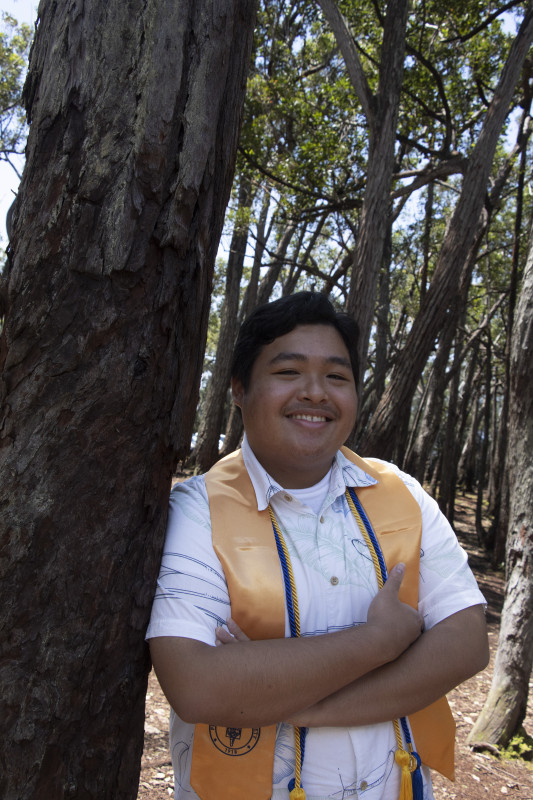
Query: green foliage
x=15 y=41
x=300 y=114
x=520 y=747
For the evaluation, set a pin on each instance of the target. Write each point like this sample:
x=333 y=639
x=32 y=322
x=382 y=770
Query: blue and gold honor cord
x=408 y=760
x=295 y=786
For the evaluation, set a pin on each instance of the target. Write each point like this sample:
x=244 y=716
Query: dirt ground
x=479 y=775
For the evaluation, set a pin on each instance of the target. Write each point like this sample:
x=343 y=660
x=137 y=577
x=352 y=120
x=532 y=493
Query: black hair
x=272 y=320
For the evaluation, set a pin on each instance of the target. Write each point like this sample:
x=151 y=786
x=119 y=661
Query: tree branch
x=344 y=39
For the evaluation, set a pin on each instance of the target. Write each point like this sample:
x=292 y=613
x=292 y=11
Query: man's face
x=300 y=405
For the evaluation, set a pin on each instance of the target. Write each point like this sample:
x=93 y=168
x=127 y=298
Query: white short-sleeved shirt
x=336 y=581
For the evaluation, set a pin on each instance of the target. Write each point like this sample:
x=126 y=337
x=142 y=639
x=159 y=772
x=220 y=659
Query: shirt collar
x=343 y=473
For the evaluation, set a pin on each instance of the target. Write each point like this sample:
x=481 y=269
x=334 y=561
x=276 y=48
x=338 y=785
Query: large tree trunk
x=506 y=704
x=135 y=111
x=458 y=249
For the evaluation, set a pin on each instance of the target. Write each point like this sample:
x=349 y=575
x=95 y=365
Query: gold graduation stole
x=235 y=763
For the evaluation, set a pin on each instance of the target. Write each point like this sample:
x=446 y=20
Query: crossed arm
x=359 y=676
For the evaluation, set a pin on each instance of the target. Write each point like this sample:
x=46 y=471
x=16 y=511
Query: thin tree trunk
x=250 y=295
x=482 y=534
x=459 y=247
x=135 y=111
x=418 y=459
x=467 y=471
x=467 y=403
x=269 y=281
x=234 y=431
x=382 y=338
x=450 y=446
x=501 y=485
x=506 y=704
x=426 y=240
x=205 y=452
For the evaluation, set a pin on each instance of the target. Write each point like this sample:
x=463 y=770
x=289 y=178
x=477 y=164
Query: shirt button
x=322 y=520
x=334 y=580
x=288 y=498
x=364 y=786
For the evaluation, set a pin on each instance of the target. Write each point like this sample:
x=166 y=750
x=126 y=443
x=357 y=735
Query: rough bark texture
x=381 y=436
x=135 y=110
x=506 y=703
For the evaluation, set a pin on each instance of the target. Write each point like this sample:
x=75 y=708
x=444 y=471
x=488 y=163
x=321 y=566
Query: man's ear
x=237 y=391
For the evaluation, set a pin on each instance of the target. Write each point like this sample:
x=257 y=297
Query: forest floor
x=479 y=775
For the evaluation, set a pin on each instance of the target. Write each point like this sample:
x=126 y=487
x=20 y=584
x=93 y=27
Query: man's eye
x=286 y=372
x=338 y=377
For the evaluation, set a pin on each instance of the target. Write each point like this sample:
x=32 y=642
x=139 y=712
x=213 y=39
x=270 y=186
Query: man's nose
x=313 y=388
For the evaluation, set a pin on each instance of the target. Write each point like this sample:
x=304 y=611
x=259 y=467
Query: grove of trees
x=384 y=158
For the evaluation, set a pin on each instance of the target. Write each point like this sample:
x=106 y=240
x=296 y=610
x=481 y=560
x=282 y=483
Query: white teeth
x=309 y=417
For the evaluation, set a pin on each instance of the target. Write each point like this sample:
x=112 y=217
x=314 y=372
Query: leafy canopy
x=15 y=41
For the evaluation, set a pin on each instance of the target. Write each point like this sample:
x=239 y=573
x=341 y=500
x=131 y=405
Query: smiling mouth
x=309 y=417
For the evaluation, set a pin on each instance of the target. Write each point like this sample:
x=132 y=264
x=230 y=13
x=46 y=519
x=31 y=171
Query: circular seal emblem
x=234 y=741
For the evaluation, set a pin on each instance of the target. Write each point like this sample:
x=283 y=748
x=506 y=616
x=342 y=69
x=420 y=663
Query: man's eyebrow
x=288 y=356
x=285 y=356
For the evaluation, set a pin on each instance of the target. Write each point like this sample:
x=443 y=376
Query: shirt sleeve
x=447 y=584
x=191 y=597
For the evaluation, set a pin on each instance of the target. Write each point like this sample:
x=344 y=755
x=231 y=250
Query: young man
x=275 y=533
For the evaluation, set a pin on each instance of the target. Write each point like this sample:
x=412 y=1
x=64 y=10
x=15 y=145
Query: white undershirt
x=313 y=496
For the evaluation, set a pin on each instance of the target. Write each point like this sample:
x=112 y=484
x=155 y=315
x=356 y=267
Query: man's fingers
x=236 y=631
x=395 y=577
x=222 y=636
x=233 y=634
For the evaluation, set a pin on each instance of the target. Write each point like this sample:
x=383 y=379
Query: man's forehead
x=319 y=343
x=292 y=355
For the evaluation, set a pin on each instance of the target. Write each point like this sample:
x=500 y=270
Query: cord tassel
x=295 y=792
x=416 y=778
x=403 y=759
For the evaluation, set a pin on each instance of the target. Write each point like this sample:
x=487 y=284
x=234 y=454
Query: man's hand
x=233 y=634
x=397 y=623
x=439 y=660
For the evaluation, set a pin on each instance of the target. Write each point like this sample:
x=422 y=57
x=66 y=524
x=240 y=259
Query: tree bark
x=468 y=471
x=205 y=452
x=418 y=458
x=499 y=477
x=381 y=113
x=482 y=534
x=135 y=110
x=458 y=249
x=269 y=281
x=506 y=704
x=372 y=395
x=451 y=443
